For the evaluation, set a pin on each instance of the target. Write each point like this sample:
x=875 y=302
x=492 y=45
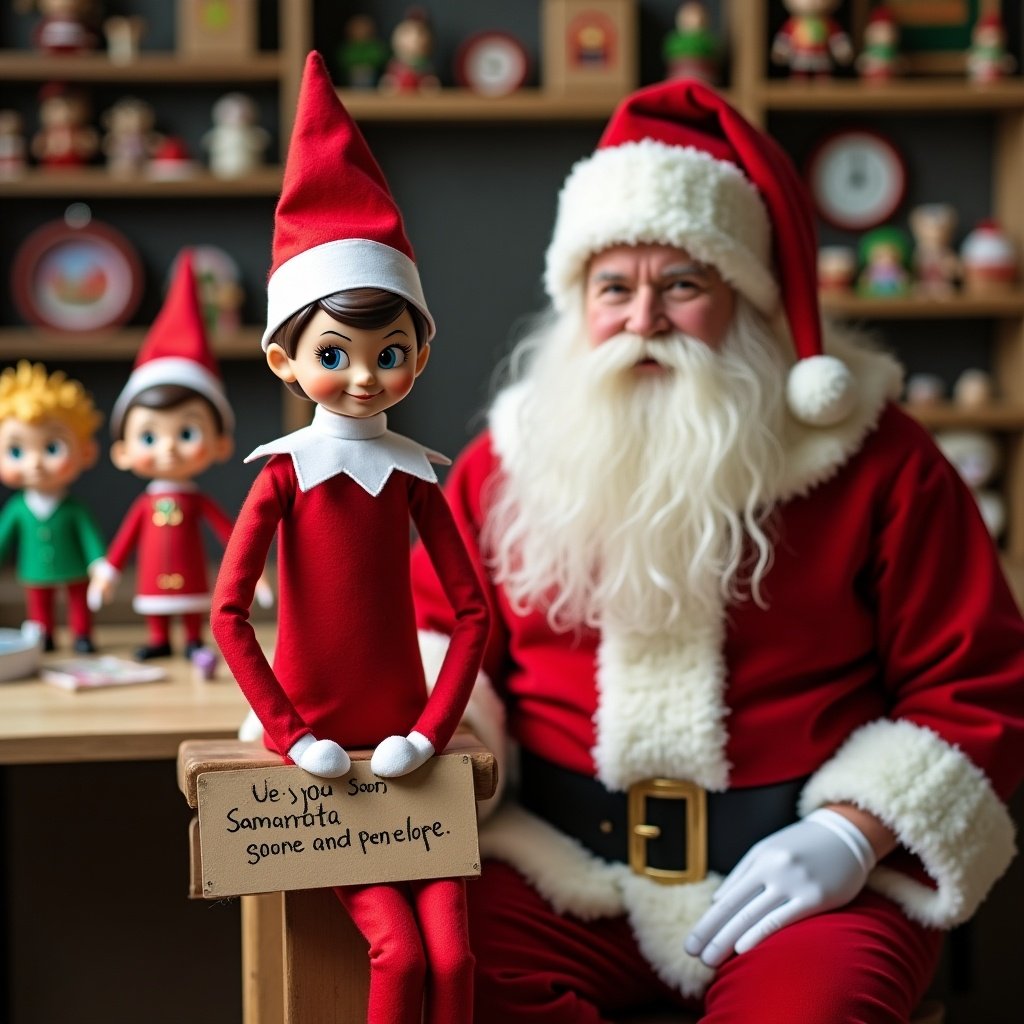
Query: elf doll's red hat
x=175 y=351
x=678 y=166
x=336 y=225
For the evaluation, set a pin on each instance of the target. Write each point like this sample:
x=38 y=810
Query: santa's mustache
x=625 y=351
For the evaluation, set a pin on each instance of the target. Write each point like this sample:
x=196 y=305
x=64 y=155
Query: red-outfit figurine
x=171 y=422
x=810 y=41
x=349 y=329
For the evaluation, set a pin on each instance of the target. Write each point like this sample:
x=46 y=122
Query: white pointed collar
x=362 y=448
x=42 y=506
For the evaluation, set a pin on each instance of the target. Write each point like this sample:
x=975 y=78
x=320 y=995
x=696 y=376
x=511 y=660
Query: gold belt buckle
x=696 y=829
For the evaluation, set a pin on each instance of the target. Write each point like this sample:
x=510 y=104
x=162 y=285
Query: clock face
x=492 y=64
x=857 y=179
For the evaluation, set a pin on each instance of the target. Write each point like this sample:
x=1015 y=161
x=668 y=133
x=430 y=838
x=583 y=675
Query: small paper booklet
x=92 y=673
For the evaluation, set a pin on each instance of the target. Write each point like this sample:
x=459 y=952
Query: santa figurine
x=171 y=422
x=349 y=329
x=811 y=41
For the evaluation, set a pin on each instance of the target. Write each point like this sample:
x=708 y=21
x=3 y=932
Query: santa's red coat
x=888 y=666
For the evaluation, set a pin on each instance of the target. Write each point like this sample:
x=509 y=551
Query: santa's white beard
x=633 y=495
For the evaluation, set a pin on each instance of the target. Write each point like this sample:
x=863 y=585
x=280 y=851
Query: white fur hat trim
x=650 y=193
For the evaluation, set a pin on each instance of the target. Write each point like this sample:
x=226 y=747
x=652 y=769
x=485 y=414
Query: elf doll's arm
x=222 y=525
x=267 y=503
x=105 y=573
x=398 y=755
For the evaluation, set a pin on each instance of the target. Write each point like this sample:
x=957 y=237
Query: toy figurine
x=130 y=141
x=47 y=423
x=65 y=137
x=925 y=390
x=65 y=26
x=883 y=254
x=349 y=329
x=989 y=259
x=12 y=144
x=810 y=40
x=172 y=161
x=987 y=59
x=977 y=459
x=973 y=389
x=692 y=50
x=171 y=422
x=363 y=54
x=935 y=264
x=124 y=33
x=412 y=47
x=837 y=268
x=880 y=60
x=236 y=142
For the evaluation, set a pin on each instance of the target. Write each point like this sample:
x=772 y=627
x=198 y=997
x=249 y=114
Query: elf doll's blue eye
x=148 y=438
x=332 y=358
x=392 y=357
x=15 y=452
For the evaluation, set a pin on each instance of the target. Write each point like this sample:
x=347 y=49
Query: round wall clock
x=857 y=179
x=492 y=64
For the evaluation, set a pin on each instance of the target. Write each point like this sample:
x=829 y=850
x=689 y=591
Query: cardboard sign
x=273 y=829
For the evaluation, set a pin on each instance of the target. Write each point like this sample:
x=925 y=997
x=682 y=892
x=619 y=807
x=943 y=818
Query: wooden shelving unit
x=149 y=69
x=760 y=96
x=93 y=182
x=102 y=346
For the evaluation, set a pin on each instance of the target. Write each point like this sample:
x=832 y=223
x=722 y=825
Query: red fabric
x=167 y=530
x=346 y=663
x=39 y=608
x=866 y=962
x=333 y=188
x=179 y=330
x=878 y=607
x=158 y=629
x=419 y=945
x=689 y=113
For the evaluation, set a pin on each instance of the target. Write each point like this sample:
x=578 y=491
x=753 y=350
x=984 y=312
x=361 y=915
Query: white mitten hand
x=399 y=755
x=815 y=865
x=320 y=757
x=264 y=593
x=251 y=729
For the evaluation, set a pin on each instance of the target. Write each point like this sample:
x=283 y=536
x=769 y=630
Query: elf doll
x=810 y=39
x=47 y=423
x=171 y=422
x=349 y=329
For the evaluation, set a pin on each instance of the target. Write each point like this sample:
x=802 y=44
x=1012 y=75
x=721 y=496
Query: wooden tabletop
x=43 y=724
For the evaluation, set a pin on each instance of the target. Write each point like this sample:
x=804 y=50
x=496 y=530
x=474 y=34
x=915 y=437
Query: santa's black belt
x=668 y=830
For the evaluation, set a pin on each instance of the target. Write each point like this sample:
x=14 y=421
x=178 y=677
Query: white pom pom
x=821 y=391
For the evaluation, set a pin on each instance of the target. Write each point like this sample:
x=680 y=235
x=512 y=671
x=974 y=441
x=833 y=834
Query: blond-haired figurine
x=47 y=427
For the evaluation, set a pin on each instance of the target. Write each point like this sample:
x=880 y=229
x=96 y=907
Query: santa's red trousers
x=865 y=962
x=420 y=960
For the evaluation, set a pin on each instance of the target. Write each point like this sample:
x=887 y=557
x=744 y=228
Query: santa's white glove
x=320 y=757
x=815 y=865
x=399 y=755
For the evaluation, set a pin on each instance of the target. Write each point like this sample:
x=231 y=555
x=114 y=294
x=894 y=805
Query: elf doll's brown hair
x=168 y=396
x=364 y=308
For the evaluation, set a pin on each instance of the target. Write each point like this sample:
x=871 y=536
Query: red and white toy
x=348 y=328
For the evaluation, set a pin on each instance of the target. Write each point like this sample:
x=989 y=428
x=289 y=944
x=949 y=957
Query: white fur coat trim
x=940 y=805
x=576 y=882
x=661 y=708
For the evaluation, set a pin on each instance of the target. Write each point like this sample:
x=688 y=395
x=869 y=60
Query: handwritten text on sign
x=265 y=830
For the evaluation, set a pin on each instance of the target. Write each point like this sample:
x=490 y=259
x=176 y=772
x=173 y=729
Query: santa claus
x=755 y=725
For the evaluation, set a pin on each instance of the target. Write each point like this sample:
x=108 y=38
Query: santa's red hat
x=336 y=225
x=175 y=351
x=677 y=165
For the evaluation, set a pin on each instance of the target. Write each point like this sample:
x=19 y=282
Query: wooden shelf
x=151 y=68
x=89 y=182
x=464 y=105
x=960 y=307
x=945 y=416
x=119 y=344
x=924 y=96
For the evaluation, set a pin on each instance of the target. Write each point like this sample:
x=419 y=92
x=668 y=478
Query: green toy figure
x=884 y=254
x=47 y=423
x=691 y=49
x=363 y=54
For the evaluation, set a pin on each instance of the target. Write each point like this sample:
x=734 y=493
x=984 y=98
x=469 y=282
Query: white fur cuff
x=939 y=804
